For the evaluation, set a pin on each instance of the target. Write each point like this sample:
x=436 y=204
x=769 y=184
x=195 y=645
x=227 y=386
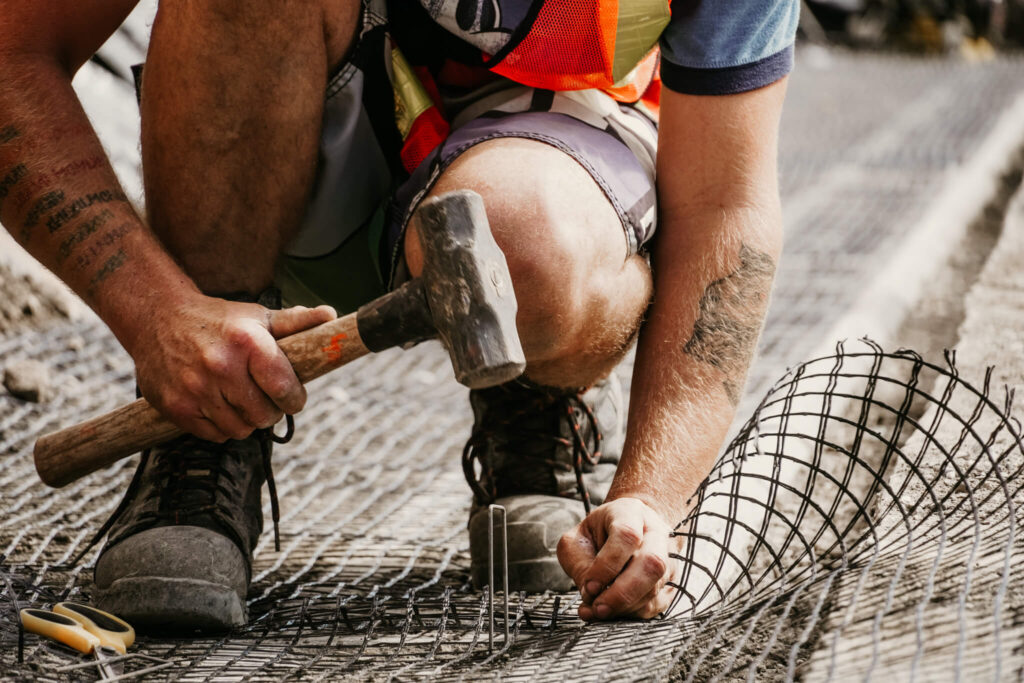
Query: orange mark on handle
x=333 y=350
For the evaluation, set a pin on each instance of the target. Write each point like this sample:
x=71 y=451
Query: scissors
x=83 y=628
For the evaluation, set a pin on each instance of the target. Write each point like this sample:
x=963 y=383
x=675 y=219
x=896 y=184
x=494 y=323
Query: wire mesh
x=868 y=509
x=862 y=524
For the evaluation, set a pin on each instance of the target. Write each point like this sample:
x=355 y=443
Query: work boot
x=178 y=555
x=542 y=454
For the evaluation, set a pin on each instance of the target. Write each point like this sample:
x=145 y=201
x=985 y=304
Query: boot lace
x=520 y=427
x=194 y=481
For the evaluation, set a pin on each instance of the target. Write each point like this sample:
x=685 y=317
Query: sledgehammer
x=464 y=296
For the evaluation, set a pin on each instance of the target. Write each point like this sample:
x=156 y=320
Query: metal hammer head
x=469 y=290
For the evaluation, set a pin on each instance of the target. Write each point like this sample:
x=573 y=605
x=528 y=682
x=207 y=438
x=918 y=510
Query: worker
x=626 y=156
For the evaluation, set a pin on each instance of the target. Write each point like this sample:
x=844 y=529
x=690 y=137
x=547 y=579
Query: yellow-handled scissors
x=83 y=628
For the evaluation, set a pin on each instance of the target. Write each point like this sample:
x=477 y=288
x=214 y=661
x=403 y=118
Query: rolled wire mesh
x=862 y=522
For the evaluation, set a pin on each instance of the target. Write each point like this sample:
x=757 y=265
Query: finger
x=252 y=404
x=186 y=416
x=625 y=529
x=223 y=415
x=644 y=576
x=659 y=602
x=273 y=374
x=576 y=552
x=298 y=318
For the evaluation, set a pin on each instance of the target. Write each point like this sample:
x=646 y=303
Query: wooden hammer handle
x=71 y=453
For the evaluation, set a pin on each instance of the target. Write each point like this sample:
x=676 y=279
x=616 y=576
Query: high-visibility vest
x=610 y=45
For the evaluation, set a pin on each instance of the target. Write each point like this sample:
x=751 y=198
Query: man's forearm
x=694 y=351
x=714 y=260
x=60 y=199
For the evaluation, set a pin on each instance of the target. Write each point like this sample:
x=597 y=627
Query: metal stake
x=490 y=571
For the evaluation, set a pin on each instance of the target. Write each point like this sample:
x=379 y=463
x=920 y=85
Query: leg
x=580 y=293
x=231 y=111
x=227 y=165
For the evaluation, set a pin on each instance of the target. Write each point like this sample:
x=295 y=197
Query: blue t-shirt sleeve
x=721 y=47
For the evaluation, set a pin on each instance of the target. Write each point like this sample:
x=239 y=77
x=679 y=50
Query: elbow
x=24 y=54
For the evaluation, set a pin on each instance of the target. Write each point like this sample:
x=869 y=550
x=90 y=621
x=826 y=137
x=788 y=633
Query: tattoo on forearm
x=81 y=232
x=10 y=180
x=42 y=180
x=731 y=313
x=48 y=201
x=8 y=133
x=69 y=211
x=111 y=265
x=79 y=167
x=45 y=203
x=91 y=251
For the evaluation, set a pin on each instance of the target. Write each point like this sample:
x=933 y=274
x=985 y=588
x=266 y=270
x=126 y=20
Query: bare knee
x=580 y=298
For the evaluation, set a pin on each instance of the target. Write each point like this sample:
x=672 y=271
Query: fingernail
x=603 y=611
x=593 y=588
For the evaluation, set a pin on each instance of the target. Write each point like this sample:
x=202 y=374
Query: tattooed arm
x=209 y=365
x=713 y=262
x=59 y=197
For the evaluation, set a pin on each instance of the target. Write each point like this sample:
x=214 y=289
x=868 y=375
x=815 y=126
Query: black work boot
x=178 y=556
x=179 y=551
x=547 y=455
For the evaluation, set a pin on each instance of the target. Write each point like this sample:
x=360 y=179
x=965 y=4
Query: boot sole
x=162 y=604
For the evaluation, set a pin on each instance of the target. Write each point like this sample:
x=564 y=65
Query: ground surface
x=371 y=581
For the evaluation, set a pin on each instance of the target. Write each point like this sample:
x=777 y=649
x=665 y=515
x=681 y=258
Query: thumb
x=298 y=318
x=576 y=553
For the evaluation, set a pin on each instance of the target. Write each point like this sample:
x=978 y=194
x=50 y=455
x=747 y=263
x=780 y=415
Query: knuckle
x=192 y=382
x=215 y=361
x=208 y=432
x=653 y=565
x=605 y=571
x=280 y=386
x=237 y=334
x=629 y=591
x=626 y=533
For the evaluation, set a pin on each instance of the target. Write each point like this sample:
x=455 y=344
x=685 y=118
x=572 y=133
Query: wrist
x=149 y=287
x=671 y=510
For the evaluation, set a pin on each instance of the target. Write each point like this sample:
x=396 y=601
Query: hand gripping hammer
x=464 y=296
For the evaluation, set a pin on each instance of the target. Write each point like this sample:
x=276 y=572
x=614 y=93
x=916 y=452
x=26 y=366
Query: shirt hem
x=729 y=80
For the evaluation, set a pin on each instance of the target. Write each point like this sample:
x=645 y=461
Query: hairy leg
x=580 y=295
x=231 y=110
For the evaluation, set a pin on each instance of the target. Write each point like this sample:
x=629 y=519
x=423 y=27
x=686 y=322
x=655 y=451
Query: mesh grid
x=862 y=522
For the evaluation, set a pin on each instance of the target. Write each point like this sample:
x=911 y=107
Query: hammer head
x=469 y=290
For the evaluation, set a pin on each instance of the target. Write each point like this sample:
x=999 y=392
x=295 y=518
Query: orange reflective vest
x=609 y=45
